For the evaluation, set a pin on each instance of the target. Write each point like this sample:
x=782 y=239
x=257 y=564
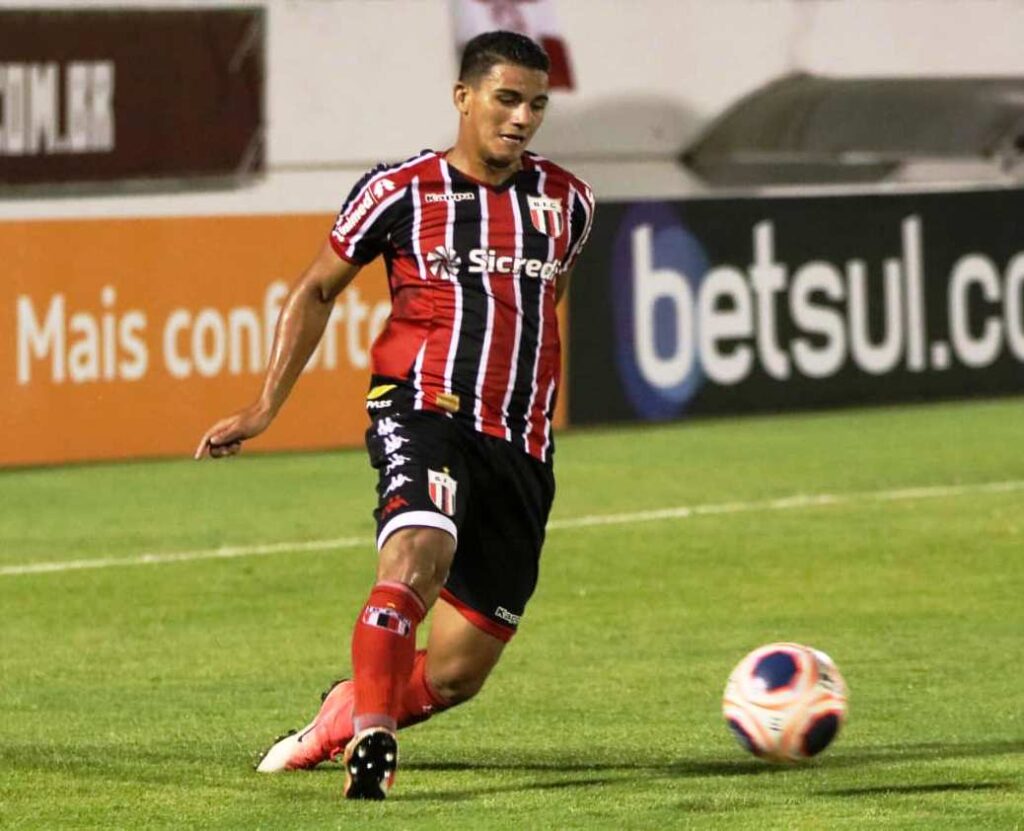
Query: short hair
x=491 y=48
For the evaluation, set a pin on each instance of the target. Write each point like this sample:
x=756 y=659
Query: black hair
x=491 y=48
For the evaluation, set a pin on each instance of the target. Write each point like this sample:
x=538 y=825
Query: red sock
x=383 y=652
x=421 y=700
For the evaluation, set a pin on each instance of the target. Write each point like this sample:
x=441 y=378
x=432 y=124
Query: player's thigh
x=460 y=655
x=419 y=557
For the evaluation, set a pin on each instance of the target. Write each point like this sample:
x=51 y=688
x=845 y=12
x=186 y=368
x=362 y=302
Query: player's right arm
x=299 y=329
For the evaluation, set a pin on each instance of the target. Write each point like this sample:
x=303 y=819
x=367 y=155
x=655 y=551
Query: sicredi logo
x=657 y=268
x=489 y=261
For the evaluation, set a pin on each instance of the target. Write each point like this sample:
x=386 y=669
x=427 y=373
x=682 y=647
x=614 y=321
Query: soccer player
x=479 y=242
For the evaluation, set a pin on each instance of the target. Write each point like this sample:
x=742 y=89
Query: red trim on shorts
x=501 y=631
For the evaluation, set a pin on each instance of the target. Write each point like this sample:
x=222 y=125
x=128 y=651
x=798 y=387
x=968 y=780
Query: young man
x=479 y=243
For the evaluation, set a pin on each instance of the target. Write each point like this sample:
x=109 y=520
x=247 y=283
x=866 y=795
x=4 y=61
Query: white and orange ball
x=785 y=702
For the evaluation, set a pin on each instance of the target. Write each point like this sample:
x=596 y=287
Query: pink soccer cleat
x=324 y=738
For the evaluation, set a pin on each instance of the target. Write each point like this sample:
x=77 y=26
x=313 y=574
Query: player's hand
x=226 y=436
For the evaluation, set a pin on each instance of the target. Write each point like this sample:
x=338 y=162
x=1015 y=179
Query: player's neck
x=471 y=165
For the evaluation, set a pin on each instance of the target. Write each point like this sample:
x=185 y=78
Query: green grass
x=135 y=697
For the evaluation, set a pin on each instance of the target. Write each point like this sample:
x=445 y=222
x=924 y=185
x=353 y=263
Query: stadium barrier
x=768 y=304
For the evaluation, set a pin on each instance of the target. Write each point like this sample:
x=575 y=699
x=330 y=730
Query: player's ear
x=460 y=96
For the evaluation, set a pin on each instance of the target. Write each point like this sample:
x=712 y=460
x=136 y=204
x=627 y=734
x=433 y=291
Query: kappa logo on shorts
x=392 y=443
x=396 y=482
x=395 y=461
x=507 y=616
x=441 y=488
x=386 y=426
x=394 y=503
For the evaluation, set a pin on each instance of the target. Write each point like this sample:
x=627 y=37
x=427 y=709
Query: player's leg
x=418 y=517
x=452 y=669
x=413 y=565
x=421 y=490
x=492 y=577
x=411 y=570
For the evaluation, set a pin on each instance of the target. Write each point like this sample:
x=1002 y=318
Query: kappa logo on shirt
x=457 y=196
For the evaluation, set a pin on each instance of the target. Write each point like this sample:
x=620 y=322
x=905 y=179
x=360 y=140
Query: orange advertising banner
x=127 y=338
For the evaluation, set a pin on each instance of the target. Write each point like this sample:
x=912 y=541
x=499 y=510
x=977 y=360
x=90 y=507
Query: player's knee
x=418 y=557
x=459 y=683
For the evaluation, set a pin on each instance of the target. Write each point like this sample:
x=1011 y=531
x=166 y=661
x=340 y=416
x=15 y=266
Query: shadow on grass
x=457 y=795
x=741 y=767
x=611 y=772
x=571 y=768
x=843 y=757
x=908 y=790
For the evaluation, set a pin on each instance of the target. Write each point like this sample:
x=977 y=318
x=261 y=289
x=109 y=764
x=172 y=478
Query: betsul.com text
x=814 y=318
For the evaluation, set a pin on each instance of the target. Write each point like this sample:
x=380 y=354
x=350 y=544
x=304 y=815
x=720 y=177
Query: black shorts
x=494 y=499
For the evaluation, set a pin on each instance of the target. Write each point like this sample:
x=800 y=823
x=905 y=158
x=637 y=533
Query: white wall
x=354 y=81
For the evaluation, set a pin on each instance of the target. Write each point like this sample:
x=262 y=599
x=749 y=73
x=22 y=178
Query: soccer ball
x=785 y=702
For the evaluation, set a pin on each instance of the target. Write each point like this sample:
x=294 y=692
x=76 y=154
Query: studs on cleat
x=370 y=761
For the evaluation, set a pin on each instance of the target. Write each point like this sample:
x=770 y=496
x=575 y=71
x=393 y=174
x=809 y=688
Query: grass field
x=135 y=696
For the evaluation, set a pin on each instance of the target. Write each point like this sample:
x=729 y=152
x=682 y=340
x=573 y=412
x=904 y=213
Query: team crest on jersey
x=444 y=263
x=546 y=215
x=442 y=489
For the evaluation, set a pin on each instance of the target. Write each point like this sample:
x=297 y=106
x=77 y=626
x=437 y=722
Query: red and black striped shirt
x=472 y=271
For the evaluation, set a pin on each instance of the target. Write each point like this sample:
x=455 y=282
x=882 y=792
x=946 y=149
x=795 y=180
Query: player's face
x=502 y=112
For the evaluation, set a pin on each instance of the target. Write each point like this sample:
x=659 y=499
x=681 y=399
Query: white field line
x=788 y=503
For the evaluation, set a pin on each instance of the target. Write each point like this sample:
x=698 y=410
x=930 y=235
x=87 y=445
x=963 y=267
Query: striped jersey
x=472 y=269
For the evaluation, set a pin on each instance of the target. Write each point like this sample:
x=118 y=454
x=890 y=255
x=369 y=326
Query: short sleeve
x=364 y=223
x=581 y=219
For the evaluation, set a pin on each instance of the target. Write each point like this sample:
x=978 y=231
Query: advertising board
x=753 y=305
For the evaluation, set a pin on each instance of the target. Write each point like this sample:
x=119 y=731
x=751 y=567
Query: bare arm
x=299 y=329
x=562 y=285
